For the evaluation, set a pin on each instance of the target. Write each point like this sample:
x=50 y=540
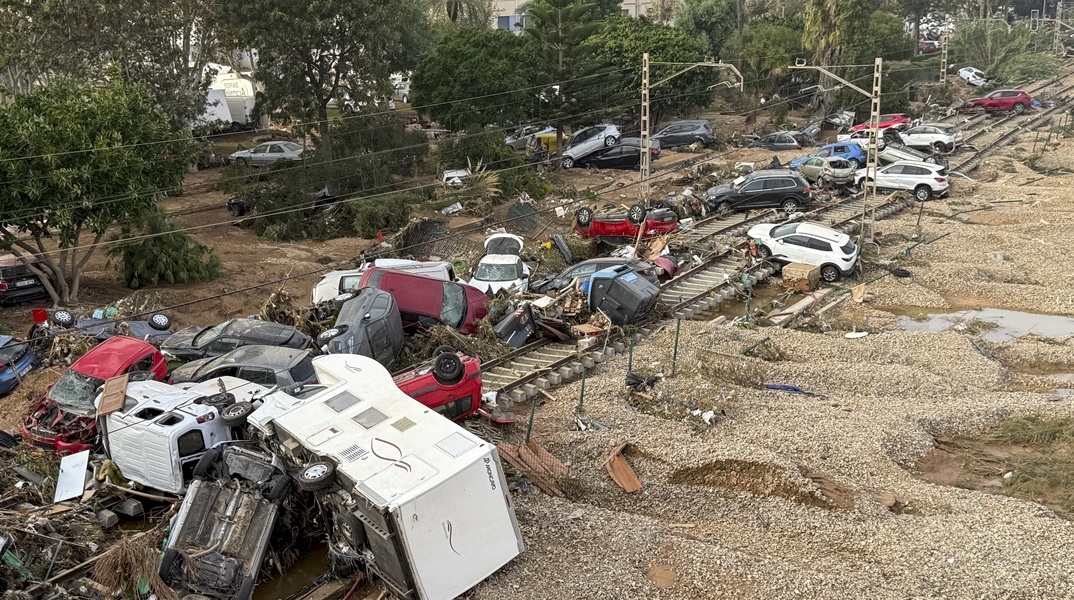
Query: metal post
x=630 y=359
x=919 y=213
x=874 y=132
x=675 y=356
x=533 y=410
x=581 y=394
x=646 y=155
x=943 y=59
x=1036 y=136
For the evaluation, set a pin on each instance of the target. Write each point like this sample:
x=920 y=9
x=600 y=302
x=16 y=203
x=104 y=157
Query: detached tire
x=235 y=414
x=447 y=369
x=160 y=322
x=219 y=400
x=584 y=216
x=63 y=318
x=316 y=476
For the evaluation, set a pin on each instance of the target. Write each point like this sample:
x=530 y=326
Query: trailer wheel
x=235 y=415
x=167 y=562
x=316 y=476
x=447 y=369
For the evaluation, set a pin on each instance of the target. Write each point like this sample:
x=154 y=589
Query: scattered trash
x=856 y=335
x=641 y=383
x=537 y=464
x=792 y=389
x=451 y=209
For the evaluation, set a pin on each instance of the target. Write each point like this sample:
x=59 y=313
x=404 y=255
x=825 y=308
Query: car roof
x=111 y=356
x=687 y=122
x=1015 y=91
x=256 y=354
x=773 y=173
x=352 y=310
x=500 y=259
x=943 y=125
x=820 y=231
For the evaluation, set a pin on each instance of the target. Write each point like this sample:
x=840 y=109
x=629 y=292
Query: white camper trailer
x=239 y=95
x=416 y=500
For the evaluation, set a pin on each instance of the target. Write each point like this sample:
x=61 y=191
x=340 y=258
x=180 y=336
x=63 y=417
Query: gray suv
x=368 y=323
x=684 y=133
x=770 y=188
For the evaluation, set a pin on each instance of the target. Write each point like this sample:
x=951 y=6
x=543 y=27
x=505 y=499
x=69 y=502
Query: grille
x=353 y=453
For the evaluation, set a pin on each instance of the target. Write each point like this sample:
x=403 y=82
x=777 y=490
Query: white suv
x=587 y=141
x=923 y=179
x=933 y=136
x=807 y=243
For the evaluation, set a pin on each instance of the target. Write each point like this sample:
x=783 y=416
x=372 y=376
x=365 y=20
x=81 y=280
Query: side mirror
x=525 y=276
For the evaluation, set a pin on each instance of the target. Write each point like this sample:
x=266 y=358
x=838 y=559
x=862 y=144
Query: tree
x=461 y=13
x=622 y=41
x=80 y=159
x=769 y=46
x=477 y=78
x=314 y=52
x=830 y=26
x=1004 y=53
x=710 y=21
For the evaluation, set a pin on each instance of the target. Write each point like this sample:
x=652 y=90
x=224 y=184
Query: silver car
x=587 y=141
x=828 y=170
x=268 y=153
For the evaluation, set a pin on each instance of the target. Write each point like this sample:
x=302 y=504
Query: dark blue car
x=16 y=360
x=850 y=151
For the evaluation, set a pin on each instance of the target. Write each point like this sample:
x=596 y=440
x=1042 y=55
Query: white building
x=507 y=13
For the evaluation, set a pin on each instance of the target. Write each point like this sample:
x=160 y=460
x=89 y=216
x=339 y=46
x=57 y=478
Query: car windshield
x=492 y=272
x=11 y=353
x=782 y=230
x=848 y=248
x=209 y=335
x=75 y=390
x=453 y=310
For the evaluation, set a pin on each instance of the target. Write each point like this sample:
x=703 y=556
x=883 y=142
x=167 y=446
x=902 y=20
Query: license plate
x=25 y=370
x=25 y=282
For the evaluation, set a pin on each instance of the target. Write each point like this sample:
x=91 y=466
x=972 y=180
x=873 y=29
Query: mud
x=760 y=479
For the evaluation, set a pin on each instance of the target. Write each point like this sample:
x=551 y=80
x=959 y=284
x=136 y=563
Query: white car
x=923 y=179
x=831 y=170
x=587 y=141
x=335 y=283
x=807 y=243
x=933 y=136
x=501 y=268
x=455 y=177
x=974 y=77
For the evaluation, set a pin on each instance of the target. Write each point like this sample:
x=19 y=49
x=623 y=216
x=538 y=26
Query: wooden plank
x=550 y=462
x=542 y=481
x=620 y=470
x=113 y=396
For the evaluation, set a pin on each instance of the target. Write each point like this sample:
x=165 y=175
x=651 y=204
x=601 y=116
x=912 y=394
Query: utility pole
x=874 y=126
x=943 y=58
x=1057 y=44
x=646 y=153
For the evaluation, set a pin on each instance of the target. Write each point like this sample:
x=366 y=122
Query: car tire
x=1018 y=108
x=636 y=214
x=610 y=141
x=279 y=488
x=206 y=462
x=246 y=588
x=763 y=252
x=854 y=163
x=167 y=562
x=242 y=162
x=448 y=369
x=328 y=334
x=63 y=318
x=922 y=193
x=940 y=147
x=723 y=208
x=789 y=206
x=316 y=476
x=219 y=400
x=568 y=162
x=160 y=322
x=830 y=273
x=584 y=217
x=406 y=99
x=443 y=349
x=235 y=415
x=339 y=300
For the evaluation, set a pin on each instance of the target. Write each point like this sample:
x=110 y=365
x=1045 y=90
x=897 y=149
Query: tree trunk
x=916 y=32
x=325 y=149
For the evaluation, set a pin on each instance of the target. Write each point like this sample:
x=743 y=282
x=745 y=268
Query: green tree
x=157 y=253
x=769 y=47
x=311 y=53
x=621 y=43
x=1004 y=53
x=829 y=27
x=79 y=159
x=710 y=21
x=461 y=13
x=476 y=78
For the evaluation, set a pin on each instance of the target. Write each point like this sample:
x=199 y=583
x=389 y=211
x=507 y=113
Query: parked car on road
x=621 y=156
x=619 y=224
x=924 y=180
x=846 y=150
x=588 y=140
x=661 y=269
x=770 y=188
x=268 y=153
x=201 y=341
x=501 y=268
x=264 y=365
x=939 y=137
x=450 y=384
x=684 y=133
x=16 y=360
x=1016 y=101
x=64 y=421
x=827 y=171
x=424 y=301
x=17 y=283
x=369 y=324
x=807 y=243
x=972 y=76
x=896 y=121
x=335 y=283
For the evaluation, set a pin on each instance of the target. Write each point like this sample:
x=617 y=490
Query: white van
x=343 y=282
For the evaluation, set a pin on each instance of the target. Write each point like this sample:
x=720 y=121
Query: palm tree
x=461 y=13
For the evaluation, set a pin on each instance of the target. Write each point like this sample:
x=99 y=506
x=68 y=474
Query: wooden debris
x=620 y=470
x=537 y=464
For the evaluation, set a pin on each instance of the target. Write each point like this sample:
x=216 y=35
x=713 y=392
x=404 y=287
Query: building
x=507 y=14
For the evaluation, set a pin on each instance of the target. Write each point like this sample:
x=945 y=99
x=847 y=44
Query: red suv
x=425 y=301
x=65 y=420
x=451 y=385
x=895 y=121
x=1010 y=100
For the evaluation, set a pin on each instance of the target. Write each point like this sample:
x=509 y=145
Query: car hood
x=719 y=190
x=761 y=230
x=801 y=159
x=182 y=342
x=189 y=371
x=491 y=288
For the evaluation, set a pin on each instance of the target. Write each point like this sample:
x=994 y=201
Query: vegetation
x=1003 y=52
x=157 y=253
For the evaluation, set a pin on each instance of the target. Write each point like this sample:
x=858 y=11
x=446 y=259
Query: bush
x=168 y=256
x=513 y=176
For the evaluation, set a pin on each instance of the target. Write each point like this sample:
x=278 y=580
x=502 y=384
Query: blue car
x=14 y=356
x=850 y=151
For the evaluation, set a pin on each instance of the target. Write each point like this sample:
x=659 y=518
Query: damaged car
x=806 y=243
x=660 y=270
x=501 y=268
x=335 y=283
x=368 y=323
x=16 y=360
x=424 y=301
x=197 y=342
x=263 y=365
x=450 y=384
x=155 y=329
x=625 y=224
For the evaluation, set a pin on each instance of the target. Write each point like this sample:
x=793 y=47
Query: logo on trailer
x=488 y=469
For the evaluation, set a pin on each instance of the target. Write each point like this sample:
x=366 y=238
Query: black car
x=776 y=188
x=368 y=323
x=617 y=157
x=197 y=342
x=18 y=283
x=684 y=133
x=586 y=268
x=264 y=365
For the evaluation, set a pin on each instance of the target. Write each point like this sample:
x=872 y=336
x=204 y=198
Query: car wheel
x=763 y=252
x=339 y=300
x=610 y=141
x=1018 y=108
x=922 y=193
x=830 y=273
x=316 y=476
x=246 y=588
x=723 y=208
x=447 y=369
x=219 y=400
x=63 y=318
x=328 y=334
x=235 y=415
x=160 y=322
x=207 y=463
x=584 y=216
x=636 y=214
x=789 y=206
x=242 y=162
x=940 y=147
x=568 y=162
x=167 y=563
x=406 y=99
x=443 y=349
x=854 y=163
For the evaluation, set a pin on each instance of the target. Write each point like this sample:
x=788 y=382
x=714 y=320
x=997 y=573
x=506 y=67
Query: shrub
x=168 y=256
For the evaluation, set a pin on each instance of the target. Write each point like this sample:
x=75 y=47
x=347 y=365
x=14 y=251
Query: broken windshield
x=75 y=390
x=493 y=272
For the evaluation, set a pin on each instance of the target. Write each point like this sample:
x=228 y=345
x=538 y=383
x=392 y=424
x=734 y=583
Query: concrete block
x=107 y=518
x=130 y=507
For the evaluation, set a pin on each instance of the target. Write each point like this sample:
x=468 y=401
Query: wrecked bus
x=413 y=498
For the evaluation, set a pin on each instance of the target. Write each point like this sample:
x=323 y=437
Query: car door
x=679 y=135
x=629 y=157
x=791 y=248
x=609 y=159
x=222 y=345
x=890 y=178
x=913 y=176
x=811 y=169
x=768 y=142
x=259 y=155
x=816 y=252
x=750 y=195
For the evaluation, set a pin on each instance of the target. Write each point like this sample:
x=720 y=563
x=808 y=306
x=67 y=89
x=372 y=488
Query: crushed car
x=335 y=283
x=155 y=329
x=625 y=224
x=424 y=301
x=450 y=384
x=660 y=270
x=621 y=294
x=16 y=360
x=501 y=268
x=202 y=341
x=368 y=323
x=263 y=365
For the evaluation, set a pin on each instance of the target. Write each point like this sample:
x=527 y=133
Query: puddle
x=762 y=479
x=761 y=300
x=993 y=324
x=297 y=578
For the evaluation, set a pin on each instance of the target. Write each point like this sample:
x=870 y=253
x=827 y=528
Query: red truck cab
x=65 y=420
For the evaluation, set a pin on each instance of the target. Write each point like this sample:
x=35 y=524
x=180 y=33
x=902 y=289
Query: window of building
x=503 y=22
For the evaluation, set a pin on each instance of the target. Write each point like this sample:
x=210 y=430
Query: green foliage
x=462 y=84
x=1004 y=53
x=769 y=47
x=513 y=177
x=163 y=256
x=829 y=27
x=282 y=214
x=54 y=188
x=883 y=37
x=405 y=150
x=711 y=22
x=620 y=45
x=449 y=14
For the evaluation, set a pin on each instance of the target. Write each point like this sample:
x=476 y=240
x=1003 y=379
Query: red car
x=65 y=420
x=451 y=385
x=1008 y=100
x=425 y=301
x=895 y=121
x=659 y=221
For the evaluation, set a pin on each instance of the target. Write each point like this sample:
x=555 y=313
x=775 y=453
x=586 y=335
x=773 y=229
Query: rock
x=107 y=518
